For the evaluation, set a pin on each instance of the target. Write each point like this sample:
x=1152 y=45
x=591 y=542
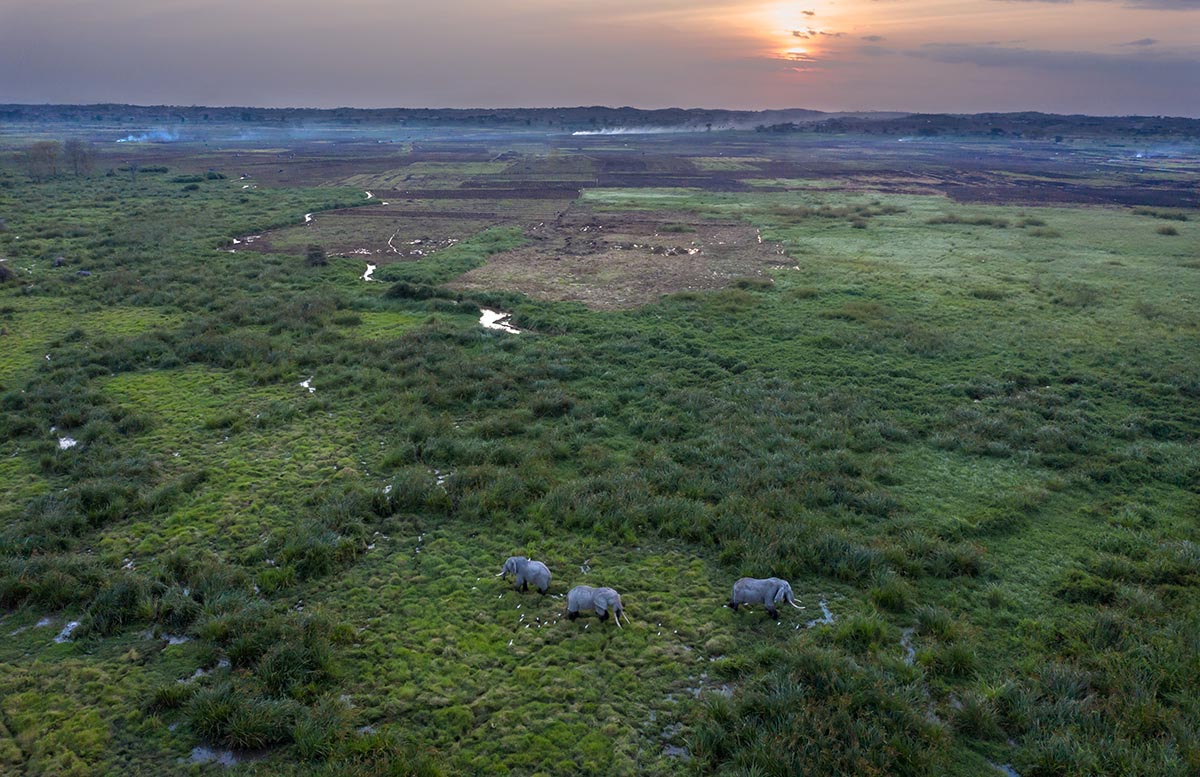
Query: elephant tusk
x=798 y=607
x=500 y=575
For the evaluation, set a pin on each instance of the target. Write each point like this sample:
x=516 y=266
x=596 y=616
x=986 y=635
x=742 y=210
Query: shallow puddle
x=826 y=616
x=307 y=383
x=207 y=755
x=65 y=443
x=495 y=319
x=910 y=652
x=67 y=631
x=366 y=276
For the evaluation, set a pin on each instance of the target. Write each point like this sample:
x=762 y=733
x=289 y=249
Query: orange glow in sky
x=1087 y=56
x=793 y=31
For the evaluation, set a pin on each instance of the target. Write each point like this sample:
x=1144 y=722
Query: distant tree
x=79 y=155
x=41 y=158
x=315 y=256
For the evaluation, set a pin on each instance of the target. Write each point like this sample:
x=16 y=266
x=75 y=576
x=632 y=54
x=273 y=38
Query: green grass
x=984 y=435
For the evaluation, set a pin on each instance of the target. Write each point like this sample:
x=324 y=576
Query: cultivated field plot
x=252 y=505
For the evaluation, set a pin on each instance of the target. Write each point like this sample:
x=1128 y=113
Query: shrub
x=315 y=256
x=1167 y=229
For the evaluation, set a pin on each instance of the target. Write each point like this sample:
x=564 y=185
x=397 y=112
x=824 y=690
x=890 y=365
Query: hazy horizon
x=1097 y=57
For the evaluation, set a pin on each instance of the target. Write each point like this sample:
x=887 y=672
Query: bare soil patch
x=623 y=260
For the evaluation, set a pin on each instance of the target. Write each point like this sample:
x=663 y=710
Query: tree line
x=45 y=158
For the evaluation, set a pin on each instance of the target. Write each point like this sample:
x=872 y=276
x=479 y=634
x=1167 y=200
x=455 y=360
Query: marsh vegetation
x=965 y=430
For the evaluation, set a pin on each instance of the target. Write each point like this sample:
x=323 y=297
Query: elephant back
x=581 y=597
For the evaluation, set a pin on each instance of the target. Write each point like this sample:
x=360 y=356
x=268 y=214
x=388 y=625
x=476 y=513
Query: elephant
x=601 y=600
x=526 y=572
x=769 y=592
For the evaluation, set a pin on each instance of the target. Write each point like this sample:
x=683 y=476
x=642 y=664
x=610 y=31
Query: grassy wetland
x=252 y=505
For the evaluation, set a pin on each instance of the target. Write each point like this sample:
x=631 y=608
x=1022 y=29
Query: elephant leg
x=603 y=615
x=543 y=591
x=525 y=585
x=773 y=613
x=732 y=605
x=572 y=616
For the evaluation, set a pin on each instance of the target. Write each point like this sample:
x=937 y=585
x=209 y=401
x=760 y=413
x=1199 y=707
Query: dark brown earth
x=624 y=260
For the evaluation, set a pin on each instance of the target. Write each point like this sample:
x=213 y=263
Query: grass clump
x=829 y=716
x=974 y=221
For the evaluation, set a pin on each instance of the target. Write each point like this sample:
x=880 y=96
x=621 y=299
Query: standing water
x=494 y=319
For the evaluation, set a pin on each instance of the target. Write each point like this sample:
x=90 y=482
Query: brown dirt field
x=485 y=193
x=610 y=261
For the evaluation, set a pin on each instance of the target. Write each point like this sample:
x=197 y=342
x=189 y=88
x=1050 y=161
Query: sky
x=1104 y=57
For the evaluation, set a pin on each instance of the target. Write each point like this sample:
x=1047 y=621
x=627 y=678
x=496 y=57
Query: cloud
x=873 y=38
x=1141 y=42
x=1147 y=66
x=811 y=33
x=809 y=13
x=875 y=51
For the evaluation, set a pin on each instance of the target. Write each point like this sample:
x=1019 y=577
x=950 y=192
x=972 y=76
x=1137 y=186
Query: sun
x=793 y=30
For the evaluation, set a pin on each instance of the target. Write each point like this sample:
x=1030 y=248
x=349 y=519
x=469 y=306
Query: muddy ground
x=623 y=260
